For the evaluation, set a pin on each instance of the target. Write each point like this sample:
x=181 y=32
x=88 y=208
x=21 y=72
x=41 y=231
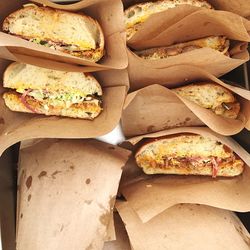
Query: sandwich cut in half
x=137 y=14
x=188 y=154
x=44 y=91
x=218 y=43
x=211 y=96
x=75 y=34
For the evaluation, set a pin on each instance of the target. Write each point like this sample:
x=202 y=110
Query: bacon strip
x=25 y=93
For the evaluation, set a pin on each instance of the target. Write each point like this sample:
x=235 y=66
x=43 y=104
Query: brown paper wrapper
x=62 y=189
x=122 y=241
x=186 y=23
x=185 y=226
x=240 y=7
x=16 y=126
x=150 y=195
x=155 y=107
x=109 y=14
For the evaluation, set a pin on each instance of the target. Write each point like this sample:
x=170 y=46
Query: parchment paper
x=185 y=226
x=65 y=196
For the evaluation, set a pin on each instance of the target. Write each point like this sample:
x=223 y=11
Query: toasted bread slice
x=212 y=96
x=219 y=43
x=188 y=154
x=72 y=33
x=51 y=92
x=137 y=14
x=26 y=76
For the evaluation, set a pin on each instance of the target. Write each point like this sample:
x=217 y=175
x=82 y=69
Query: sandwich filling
x=139 y=13
x=72 y=49
x=190 y=153
x=35 y=100
x=219 y=43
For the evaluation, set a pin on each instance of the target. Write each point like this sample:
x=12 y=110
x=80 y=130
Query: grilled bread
x=44 y=91
x=219 y=43
x=137 y=14
x=75 y=34
x=188 y=154
x=211 y=96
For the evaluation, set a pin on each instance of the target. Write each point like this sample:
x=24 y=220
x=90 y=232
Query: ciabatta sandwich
x=188 y=154
x=137 y=14
x=75 y=34
x=219 y=43
x=38 y=90
x=211 y=96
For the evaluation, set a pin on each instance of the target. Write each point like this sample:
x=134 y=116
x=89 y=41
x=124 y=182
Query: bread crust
x=11 y=79
x=136 y=14
x=211 y=96
x=188 y=154
x=219 y=43
x=82 y=111
x=92 y=54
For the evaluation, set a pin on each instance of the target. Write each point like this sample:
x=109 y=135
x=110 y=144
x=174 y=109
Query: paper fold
x=185 y=226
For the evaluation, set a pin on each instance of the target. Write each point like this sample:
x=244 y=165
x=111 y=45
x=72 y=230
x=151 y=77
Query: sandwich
x=218 y=43
x=38 y=90
x=211 y=96
x=137 y=14
x=188 y=154
x=71 y=33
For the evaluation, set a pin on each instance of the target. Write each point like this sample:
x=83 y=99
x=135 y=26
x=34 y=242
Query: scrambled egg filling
x=60 y=98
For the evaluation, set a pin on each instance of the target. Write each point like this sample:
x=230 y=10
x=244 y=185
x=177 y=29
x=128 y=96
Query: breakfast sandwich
x=39 y=90
x=188 y=154
x=71 y=33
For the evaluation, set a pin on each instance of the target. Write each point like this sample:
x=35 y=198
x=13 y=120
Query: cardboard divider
x=150 y=195
x=185 y=226
x=109 y=15
x=15 y=126
x=155 y=107
x=58 y=177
